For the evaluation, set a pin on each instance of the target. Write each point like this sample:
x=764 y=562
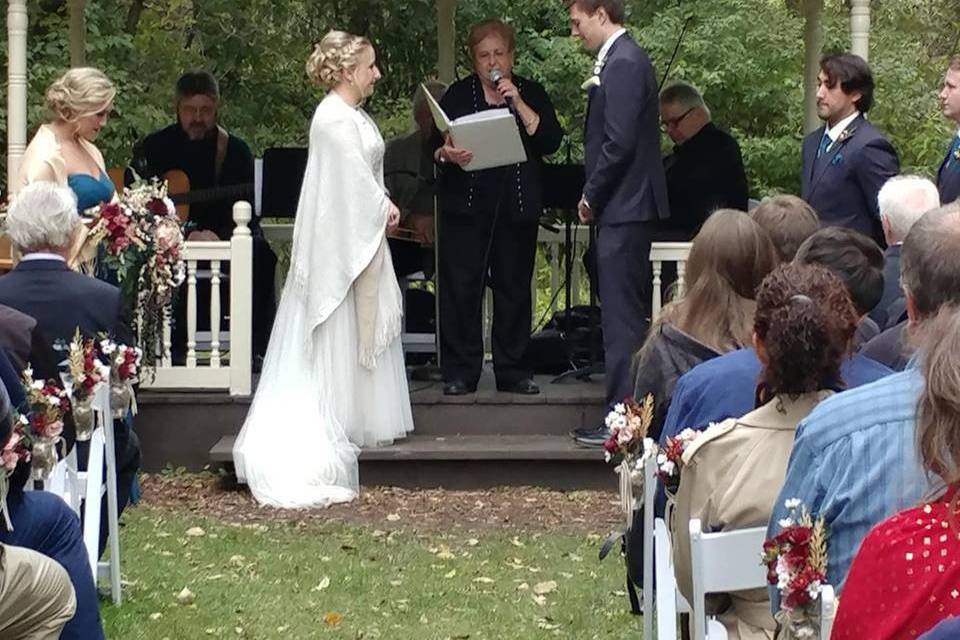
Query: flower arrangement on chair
x=42 y=425
x=796 y=561
x=140 y=239
x=85 y=372
x=628 y=425
x=124 y=362
x=670 y=459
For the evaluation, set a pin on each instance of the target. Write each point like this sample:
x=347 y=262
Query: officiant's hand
x=393 y=218
x=450 y=153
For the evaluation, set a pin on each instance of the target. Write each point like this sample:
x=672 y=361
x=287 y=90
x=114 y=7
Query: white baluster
x=681 y=277
x=215 y=314
x=191 y=314
x=657 y=299
x=241 y=300
x=167 y=342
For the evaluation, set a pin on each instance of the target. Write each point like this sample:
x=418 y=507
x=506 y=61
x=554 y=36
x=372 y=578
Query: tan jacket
x=730 y=479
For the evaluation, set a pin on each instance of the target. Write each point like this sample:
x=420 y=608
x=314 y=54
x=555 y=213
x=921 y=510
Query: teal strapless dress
x=90 y=191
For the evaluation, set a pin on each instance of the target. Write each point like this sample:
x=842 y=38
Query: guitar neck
x=213 y=194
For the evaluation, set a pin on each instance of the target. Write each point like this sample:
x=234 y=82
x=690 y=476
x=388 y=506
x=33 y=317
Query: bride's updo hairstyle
x=79 y=92
x=337 y=53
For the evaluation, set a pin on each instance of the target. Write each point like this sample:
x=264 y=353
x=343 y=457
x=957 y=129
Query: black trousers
x=623 y=275
x=463 y=276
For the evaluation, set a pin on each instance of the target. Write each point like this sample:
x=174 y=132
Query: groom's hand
x=584 y=212
x=393 y=218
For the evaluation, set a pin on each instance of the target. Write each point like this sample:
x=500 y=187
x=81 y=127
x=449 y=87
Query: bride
x=334 y=376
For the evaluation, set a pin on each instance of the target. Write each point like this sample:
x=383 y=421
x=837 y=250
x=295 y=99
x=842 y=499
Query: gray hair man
x=705 y=171
x=902 y=201
x=43 y=219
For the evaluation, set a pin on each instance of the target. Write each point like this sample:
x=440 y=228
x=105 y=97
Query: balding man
x=705 y=171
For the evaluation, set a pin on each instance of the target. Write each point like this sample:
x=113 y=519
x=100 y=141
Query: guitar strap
x=222 y=139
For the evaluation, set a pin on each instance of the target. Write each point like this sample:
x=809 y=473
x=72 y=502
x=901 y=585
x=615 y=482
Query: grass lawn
x=312 y=579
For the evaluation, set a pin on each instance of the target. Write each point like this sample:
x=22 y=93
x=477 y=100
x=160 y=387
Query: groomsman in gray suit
x=948 y=176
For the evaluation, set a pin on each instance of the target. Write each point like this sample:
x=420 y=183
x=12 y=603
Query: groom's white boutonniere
x=589 y=83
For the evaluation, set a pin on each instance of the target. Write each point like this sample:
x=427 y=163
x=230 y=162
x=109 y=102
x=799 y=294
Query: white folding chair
x=670 y=602
x=84 y=490
x=649 y=491
x=722 y=562
x=828 y=611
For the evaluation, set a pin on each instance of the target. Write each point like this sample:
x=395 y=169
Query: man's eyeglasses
x=667 y=123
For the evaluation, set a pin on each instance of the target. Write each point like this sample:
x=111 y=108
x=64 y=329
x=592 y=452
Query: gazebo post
x=812 y=47
x=860 y=28
x=78 y=33
x=446 y=40
x=16 y=88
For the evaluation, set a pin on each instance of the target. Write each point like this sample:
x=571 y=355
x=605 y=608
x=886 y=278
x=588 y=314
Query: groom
x=625 y=192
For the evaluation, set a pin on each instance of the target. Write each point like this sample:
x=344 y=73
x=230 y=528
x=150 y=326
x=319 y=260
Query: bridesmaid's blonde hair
x=335 y=54
x=79 y=92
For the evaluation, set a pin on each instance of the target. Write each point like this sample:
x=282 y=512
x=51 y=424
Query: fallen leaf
x=393 y=517
x=186 y=596
x=516 y=542
x=323 y=584
x=196 y=532
x=484 y=580
x=542 y=588
x=156 y=616
x=333 y=618
x=523 y=587
x=540 y=600
x=450 y=573
x=472 y=542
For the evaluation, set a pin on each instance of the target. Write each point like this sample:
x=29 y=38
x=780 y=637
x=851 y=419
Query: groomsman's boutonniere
x=591 y=82
x=956 y=154
x=844 y=135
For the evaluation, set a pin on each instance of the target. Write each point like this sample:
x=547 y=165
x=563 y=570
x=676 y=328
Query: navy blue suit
x=626 y=189
x=842 y=184
x=948 y=177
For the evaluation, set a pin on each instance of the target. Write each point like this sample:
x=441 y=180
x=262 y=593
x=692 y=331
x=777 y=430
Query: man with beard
x=219 y=166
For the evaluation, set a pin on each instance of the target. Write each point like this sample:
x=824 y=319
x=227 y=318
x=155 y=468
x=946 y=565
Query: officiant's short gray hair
x=682 y=94
x=43 y=216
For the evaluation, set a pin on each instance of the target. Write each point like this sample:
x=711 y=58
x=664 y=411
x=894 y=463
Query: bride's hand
x=393 y=218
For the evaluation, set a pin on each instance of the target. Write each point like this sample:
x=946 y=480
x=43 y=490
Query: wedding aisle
x=204 y=561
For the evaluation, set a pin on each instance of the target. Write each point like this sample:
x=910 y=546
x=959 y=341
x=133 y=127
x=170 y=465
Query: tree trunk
x=133 y=16
x=812 y=46
x=78 y=33
x=446 y=40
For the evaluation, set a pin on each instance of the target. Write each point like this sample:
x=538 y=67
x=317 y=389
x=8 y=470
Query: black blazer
x=624 y=172
x=948 y=178
x=843 y=184
x=461 y=192
x=60 y=300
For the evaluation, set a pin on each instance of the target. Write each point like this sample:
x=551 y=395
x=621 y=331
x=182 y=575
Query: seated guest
x=854 y=461
x=903 y=199
x=705 y=171
x=41 y=223
x=43 y=523
x=732 y=473
x=949 y=629
x=890 y=348
x=36 y=599
x=904 y=578
x=729 y=258
x=726 y=387
x=789 y=221
x=858 y=261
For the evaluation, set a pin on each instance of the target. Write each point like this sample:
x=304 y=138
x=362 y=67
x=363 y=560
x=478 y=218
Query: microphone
x=495 y=77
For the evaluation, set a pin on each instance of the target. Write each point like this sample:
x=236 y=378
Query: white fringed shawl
x=339 y=238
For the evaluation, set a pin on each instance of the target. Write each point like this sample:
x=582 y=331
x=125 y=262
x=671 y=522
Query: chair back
x=723 y=562
x=828 y=611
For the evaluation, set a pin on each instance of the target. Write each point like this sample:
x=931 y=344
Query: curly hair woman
x=732 y=473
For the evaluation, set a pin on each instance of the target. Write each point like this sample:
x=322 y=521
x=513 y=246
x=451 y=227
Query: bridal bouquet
x=85 y=373
x=140 y=240
x=796 y=561
x=670 y=459
x=124 y=362
x=47 y=404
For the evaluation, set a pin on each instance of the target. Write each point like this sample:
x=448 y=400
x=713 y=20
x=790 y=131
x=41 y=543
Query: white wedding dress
x=333 y=379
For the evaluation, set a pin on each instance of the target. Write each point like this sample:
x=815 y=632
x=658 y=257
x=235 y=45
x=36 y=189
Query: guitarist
x=211 y=158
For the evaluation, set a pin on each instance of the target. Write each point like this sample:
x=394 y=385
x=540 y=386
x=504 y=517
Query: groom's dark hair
x=616 y=9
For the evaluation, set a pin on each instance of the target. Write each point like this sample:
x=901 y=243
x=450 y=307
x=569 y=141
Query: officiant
x=488 y=219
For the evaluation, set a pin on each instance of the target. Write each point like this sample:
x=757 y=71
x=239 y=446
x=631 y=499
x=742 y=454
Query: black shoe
x=525 y=386
x=594 y=439
x=458 y=388
x=583 y=432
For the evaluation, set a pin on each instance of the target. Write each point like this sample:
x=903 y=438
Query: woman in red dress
x=906 y=576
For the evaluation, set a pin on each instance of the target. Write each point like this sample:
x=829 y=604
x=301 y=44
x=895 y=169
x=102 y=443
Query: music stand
x=563 y=188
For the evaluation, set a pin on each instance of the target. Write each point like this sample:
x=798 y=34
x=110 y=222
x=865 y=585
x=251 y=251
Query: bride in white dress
x=333 y=379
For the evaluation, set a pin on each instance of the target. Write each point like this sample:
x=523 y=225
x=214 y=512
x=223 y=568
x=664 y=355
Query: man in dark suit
x=705 y=171
x=625 y=193
x=846 y=161
x=41 y=224
x=948 y=176
x=903 y=200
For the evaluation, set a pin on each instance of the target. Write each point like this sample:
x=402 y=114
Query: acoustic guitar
x=178 y=188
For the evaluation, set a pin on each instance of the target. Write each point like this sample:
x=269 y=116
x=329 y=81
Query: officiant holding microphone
x=488 y=219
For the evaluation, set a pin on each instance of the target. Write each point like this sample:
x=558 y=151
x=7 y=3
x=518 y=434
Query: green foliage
x=746 y=55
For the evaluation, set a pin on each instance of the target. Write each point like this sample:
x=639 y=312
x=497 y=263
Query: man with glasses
x=705 y=171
